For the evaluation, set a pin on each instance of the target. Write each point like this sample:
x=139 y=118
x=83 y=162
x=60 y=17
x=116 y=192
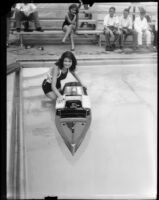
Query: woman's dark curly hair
x=70 y=55
x=73 y=6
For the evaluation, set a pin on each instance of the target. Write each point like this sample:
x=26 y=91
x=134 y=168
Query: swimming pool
x=117 y=158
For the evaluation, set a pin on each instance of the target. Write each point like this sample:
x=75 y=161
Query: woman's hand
x=84 y=86
x=84 y=89
x=60 y=99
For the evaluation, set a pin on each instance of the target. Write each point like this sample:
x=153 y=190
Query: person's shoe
x=27 y=46
x=121 y=47
x=39 y=29
x=108 y=48
x=28 y=30
x=149 y=47
x=134 y=48
x=113 y=46
x=18 y=30
x=139 y=47
x=127 y=51
x=154 y=48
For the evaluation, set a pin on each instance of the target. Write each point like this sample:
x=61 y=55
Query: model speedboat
x=73 y=115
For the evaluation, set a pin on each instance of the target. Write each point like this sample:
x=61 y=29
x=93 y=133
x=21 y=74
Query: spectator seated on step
x=125 y=25
x=153 y=28
x=26 y=12
x=142 y=28
x=111 y=29
x=70 y=24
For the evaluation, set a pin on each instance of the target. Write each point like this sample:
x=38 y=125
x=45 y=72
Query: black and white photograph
x=81 y=99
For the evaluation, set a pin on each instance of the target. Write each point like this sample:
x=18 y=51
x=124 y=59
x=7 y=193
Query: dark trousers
x=124 y=34
x=115 y=32
x=155 y=42
x=8 y=27
x=20 y=16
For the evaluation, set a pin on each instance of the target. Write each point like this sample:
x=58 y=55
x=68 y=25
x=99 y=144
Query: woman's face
x=67 y=63
x=73 y=11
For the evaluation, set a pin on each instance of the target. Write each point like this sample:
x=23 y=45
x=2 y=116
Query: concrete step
x=59 y=10
x=56 y=24
x=97 y=7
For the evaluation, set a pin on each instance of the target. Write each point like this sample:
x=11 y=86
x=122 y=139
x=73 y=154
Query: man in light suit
x=142 y=28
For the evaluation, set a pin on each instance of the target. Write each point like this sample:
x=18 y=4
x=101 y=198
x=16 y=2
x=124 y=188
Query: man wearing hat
x=141 y=26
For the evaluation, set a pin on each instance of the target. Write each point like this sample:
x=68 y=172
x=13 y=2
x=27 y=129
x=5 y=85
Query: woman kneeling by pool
x=52 y=84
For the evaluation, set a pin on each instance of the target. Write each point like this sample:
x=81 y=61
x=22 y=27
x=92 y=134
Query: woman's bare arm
x=69 y=20
x=77 y=77
x=54 y=81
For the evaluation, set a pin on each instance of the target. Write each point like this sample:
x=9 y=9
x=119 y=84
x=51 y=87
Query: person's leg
x=139 y=38
x=121 y=39
x=155 y=41
x=8 y=30
x=19 y=16
x=51 y=100
x=117 y=36
x=34 y=17
x=26 y=24
x=155 y=38
x=51 y=95
x=72 y=41
x=134 y=35
x=47 y=89
x=67 y=29
x=107 y=39
x=148 y=38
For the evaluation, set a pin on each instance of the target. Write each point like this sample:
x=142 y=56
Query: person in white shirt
x=111 y=29
x=26 y=12
x=142 y=27
x=125 y=25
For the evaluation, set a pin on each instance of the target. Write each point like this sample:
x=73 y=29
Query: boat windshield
x=73 y=91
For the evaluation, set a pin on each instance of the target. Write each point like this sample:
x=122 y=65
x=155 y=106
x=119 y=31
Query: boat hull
x=73 y=115
x=73 y=130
